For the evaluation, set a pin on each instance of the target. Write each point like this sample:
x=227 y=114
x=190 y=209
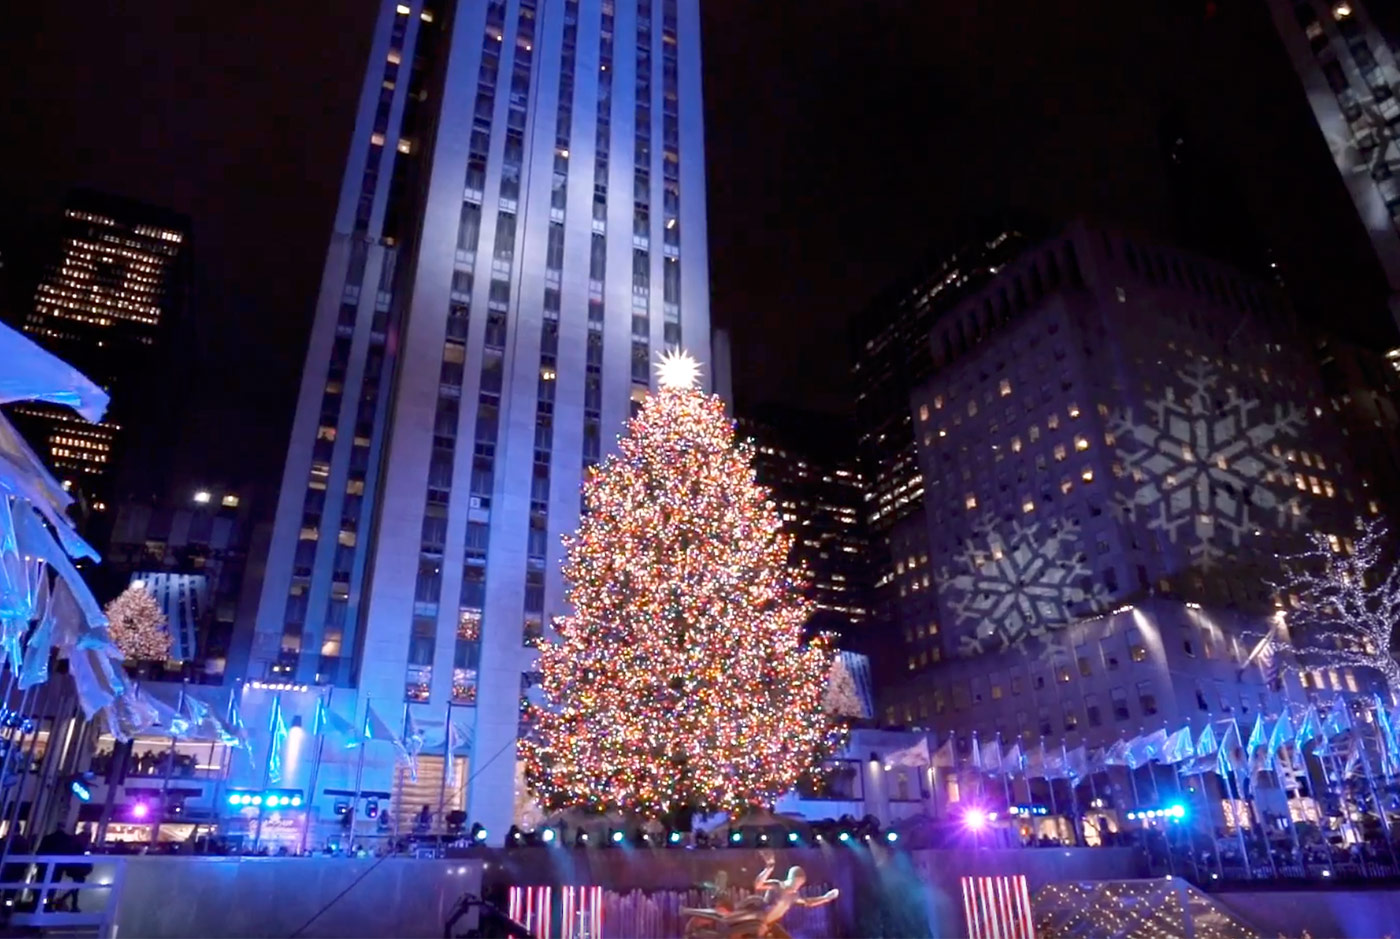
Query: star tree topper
x=677 y=369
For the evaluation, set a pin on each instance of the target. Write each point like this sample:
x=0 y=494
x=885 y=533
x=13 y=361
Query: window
x=1071 y=718
x=1120 y=704
x=1085 y=667
x=1147 y=698
x=1081 y=442
x=1059 y=452
x=1091 y=710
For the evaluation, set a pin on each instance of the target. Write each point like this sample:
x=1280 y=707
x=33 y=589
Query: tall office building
x=1350 y=75
x=105 y=306
x=520 y=234
x=889 y=359
x=1117 y=439
x=820 y=497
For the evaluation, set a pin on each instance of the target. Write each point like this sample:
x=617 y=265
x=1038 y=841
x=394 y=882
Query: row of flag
x=1226 y=750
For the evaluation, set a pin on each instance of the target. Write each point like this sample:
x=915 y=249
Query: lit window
x=1081 y=443
x=923 y=412
x=426 y=16
x=1034 y=433
x=1059 y=452
x=201 y=497
x=347 y=538
x=1053 y=422
x=1087 y=475
x=1005 y=387
x=1074 y=410
x=1028 y=506
x=1015 y=444
x=394 y=57
x=230 y=501
x=971 y=501
x=405 y=145
x=1066 y=485
x=1341 y=11
x=938 y=402
x=402 y=9
x=376 y=139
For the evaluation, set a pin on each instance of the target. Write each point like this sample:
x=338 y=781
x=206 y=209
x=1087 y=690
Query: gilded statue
x=757 y=915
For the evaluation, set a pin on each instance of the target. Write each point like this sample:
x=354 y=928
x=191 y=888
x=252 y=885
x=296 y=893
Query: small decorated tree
x=1345 y=603
x=680 y=683
x=136 y=623
x=842 y=697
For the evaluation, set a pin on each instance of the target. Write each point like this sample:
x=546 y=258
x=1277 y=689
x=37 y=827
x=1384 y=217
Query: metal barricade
x=39 y=893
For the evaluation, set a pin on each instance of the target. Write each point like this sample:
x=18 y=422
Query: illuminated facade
x=1116 y=438
x=104 y=307
x=1351 y=79
x=890 y=358
x=521 y=232
x=820 y=500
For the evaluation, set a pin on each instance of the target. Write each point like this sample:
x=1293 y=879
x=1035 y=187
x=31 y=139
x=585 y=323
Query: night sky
x=846 y=142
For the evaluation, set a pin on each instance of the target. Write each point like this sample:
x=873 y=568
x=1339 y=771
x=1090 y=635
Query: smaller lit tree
x=136 y=623
x=841 y=698
x=1345 y=603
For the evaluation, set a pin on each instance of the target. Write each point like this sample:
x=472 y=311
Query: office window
x=1091 y=710
x=1147 y=698
x=1119 y=697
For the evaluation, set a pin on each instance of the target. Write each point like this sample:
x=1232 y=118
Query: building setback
x=1116 y=438
x=520 y=233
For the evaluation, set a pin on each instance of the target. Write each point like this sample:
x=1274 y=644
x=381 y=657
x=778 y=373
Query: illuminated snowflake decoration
x=1020 y=582
x=1205 y=467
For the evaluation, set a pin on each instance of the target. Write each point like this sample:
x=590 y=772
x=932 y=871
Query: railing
x=39 y=894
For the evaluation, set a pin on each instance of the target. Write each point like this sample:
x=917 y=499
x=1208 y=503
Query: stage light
x=256 y=800
x=975 y=819
x=616 y=837
x=762 y=839
x=891 y=836
x=792 y=837
x=234 y=798
x=296 y=801
x=372 y=808
x=478 y=833
x=547 y=836
x=140 y=810
x=1177 y=810
x=819 y=837
x=844 y=836
x=735 y=837
x=674 y=837
x=583 y=837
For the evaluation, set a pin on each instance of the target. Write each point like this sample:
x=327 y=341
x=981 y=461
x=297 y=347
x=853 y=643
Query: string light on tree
x=680 y=681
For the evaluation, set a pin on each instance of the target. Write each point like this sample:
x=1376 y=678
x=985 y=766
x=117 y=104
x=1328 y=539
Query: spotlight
x=792 y=837
x=235 y=799
x=140 y=810
x=735 y=837
x=547 y=836
x=274 y=801
x=762 y=839
x=616 y=837
x=296 y=801
x=674 y=837
x=891 y=836
x=1132 y=816
x=256 y=800
x=975 y=819
x=583 y=837
x=478 y=833
x=819 y=837
x=1177 y=811
x=844 y=836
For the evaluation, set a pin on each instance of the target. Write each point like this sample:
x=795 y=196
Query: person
x=425 y=820
x=14 y=871
x=78 y=845
x=56 y=842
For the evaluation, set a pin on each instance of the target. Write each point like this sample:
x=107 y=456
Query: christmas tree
x=136 y=624
x=680 y=682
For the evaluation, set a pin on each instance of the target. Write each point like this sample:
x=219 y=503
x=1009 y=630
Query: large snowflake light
x=1019 y=582
x=1204 y=463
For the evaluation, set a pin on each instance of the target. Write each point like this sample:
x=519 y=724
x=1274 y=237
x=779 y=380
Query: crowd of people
x=148 y=763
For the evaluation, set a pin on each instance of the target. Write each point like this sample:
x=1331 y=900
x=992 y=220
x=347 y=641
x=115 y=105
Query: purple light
x=140 y=810
x=975 y=819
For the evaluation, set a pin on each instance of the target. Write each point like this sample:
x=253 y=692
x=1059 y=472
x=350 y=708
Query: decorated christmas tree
x=681 y=681
x=136 y=624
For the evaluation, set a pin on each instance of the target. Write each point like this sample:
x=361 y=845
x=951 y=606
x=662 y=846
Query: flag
x=1229 y=755
x=1258 y=742
x=1116 y=754
x=328 y=720
x=1208 y=744
x=943 y=756
x=1310 y=728
x=991 y=758
x=1338 y=718
x=1283 y=734
x=1179 y=746
x=1012 y=759
x=1390 y=759
x=377 y=729
x=1077 y=762
x=976 y=754
x=913 y=755
x=1142 y=750
x=413 y=742
x=1353 y=763
x=278 y=727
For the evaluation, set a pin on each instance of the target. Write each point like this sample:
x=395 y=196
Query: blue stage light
x=674 y=837
x=735 y=837
x=617 y=837
x=891 y=836
x=844 y=836
x=547 y=836
x=792 y=837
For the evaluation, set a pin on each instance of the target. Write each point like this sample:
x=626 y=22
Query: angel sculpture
x=757 y=915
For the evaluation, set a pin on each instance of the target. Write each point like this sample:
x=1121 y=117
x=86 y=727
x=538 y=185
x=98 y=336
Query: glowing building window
x=1081 y=443
x=1005 y=387
x=970 y=502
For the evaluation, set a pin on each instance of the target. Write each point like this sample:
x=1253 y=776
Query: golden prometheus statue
x=757 y=915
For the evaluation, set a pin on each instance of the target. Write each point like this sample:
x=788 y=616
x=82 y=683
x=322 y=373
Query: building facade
x=1116 y=439
x=820 y=500
x=1350 y=76
x=106 y=307
x=521 y=232
x=890 y=357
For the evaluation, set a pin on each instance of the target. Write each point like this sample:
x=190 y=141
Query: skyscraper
x=1350 y=75
x=105 y=307
x=520 y=233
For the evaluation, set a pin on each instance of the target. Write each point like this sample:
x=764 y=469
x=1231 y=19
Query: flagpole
x=359 y=778
x=1375 y=797
x=446 y=768
x=267 y=768
x=1210 y=820
x=312 y=810
x=1233 y=785
x=1005 y=776
x=1050 y=783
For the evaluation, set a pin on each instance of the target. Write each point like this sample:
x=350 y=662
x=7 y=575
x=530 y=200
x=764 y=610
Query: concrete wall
x=275 y=897
x=1347 y=914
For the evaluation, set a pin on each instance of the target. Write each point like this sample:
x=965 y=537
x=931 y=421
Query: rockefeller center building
x=1116 y=438
x=520 y=234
